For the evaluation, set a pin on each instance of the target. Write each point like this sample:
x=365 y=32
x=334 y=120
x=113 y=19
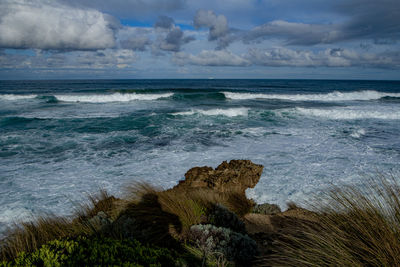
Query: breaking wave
x=12 y=97
x=116 y=97
x=349 y=114
x=330 y=97
x=231 y=112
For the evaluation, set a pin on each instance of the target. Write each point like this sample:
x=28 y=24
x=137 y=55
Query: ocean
x=61 y=140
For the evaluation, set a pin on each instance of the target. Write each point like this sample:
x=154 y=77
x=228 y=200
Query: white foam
x=358 y=133
x=329 y=97
x=349 y=114
x=231 y=112
x=12 y=97
x=116 y=97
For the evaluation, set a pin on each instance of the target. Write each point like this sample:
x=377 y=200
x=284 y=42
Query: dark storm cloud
x=371 y=19
x=217 y=25
x=362 y=20
x=170 y=37
x=164 y=22
x=174 y=40
x=331 y=57
x=50 y=25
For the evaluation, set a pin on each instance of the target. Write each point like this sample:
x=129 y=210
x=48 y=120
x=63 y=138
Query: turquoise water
x=62 y=139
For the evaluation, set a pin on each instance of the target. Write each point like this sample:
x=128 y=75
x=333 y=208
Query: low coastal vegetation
x=206 y=220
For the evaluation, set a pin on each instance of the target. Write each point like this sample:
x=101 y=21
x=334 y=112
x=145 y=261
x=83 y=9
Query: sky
x=262 y=39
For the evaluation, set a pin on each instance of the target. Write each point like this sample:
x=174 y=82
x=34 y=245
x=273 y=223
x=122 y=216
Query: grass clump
x=29 y=236
x=356 y=227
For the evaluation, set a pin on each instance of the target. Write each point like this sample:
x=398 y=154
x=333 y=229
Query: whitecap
x=358 y=133
x=13 y=97
x=231 y=112
x=349 y=114
x=329 y=97
x=116 y=97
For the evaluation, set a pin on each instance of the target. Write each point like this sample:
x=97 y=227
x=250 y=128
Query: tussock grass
x=30 y=236
x=356 y=227
x=189 y=206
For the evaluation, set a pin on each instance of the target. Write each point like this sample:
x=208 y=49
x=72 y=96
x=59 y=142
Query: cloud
x=210 y=58
x=337 y=57
x=101 y=59
x=50 y=25
x=371 y=19
x=134 y=38
x=170 y=37
x=131 y=8
x=356 y=20
x=217 y=25
x=174 y=40
x=108 y=58
x=164 y=22
x=295 y=33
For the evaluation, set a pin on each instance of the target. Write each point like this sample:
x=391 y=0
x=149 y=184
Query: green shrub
x=222 y=217
x=218 y=240
x=96 y=251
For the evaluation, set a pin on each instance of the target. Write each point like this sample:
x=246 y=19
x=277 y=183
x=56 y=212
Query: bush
x=96 y=251
x=213 y=240
x=222 y=217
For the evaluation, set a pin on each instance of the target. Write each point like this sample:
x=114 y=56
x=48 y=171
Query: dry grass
x=29 y=236
x=356 y=228
x=164 y=214
x=189 y=206
x=101 y=201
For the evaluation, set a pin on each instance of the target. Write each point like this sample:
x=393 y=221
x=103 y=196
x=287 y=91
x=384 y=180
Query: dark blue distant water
x=62 y=139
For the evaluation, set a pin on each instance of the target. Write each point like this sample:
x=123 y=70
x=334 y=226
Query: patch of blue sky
x=136 y=23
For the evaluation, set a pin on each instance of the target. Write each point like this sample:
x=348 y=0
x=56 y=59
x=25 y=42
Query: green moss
x=94 y=252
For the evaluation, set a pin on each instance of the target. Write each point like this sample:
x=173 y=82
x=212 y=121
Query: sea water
x=62 y=140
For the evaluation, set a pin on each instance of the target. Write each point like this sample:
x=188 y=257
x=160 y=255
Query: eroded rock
x=235 y=176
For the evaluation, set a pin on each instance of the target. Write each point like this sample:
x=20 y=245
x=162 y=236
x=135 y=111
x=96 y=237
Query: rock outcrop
x=235 y=176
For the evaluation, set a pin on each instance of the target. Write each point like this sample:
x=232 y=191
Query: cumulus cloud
x=210 y=58
x=217 y=25
x=337 y=57
x=174 y=40
x=134 y=38
x=171 y=37
x=50 y=25
x=131 y=8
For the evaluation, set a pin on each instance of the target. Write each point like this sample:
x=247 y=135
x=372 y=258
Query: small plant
x=94 y=252
x=210 y=239
x=222 y=217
